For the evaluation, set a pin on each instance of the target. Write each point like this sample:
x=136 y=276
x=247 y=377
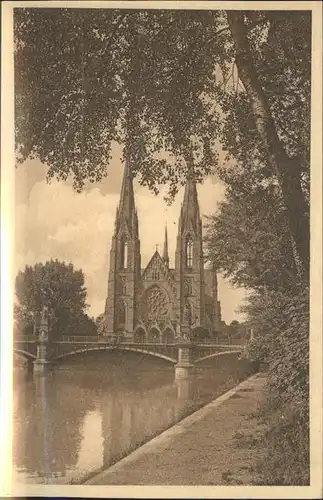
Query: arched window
x=154 y=336
x=189 y=253
x=124 y=253
x=139 y=336
x=155 y=275
x=168 y=336
x=121 y=313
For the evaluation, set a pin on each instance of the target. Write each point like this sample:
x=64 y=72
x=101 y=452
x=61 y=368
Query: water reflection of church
x=159 y=303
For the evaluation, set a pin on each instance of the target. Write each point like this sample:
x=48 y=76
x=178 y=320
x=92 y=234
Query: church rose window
x=155 y=304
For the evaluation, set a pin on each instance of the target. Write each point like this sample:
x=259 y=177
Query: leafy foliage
x=250 y=236
x=59 y=287
x=169 y=85
x=85 y=78
x=250 y=241
x=281 y=323
x=100 y=324
x=73 y=99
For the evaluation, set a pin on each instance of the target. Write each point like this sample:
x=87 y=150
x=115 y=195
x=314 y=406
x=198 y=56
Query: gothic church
x=158 y=303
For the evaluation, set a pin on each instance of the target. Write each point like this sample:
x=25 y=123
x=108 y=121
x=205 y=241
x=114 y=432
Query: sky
x=54 y=222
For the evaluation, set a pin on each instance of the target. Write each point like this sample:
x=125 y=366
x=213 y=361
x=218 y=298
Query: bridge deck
x=100 y=341
x=69 y=346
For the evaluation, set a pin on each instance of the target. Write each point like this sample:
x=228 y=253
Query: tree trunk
x=287 y=169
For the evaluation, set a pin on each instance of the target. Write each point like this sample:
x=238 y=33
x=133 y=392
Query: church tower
x=189 y=265
x=124 y=273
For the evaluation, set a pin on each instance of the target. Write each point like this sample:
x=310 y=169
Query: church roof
x=156 y=263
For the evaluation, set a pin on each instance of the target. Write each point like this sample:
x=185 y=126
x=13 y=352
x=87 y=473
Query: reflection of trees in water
x=47 y=443
x=218 y=374
x=136 y=402
x=131 y=417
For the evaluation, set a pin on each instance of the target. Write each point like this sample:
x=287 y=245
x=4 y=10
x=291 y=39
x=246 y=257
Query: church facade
x=158 y=303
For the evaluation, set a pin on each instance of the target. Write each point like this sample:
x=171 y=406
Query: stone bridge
x=183 y=355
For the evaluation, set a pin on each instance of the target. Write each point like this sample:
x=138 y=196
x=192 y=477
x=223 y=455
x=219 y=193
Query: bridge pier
x=41 y=367
x=185 y=366
x=30 y=366
x=42 y=363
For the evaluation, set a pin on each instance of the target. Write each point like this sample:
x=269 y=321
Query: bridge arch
x=24 y=354
x=217 y=354
x=151 y=353
x=114 y=348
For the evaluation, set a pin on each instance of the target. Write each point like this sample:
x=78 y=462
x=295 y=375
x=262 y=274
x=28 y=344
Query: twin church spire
x=130 y=286
x=190 y=213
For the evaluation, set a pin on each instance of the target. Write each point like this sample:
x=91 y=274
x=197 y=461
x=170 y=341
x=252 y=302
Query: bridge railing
x=219 y=342
x=222 y=347
x=80 y=339
x=91 y=339
x=24 y=338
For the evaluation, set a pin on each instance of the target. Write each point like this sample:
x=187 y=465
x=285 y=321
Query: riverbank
x=220 y=444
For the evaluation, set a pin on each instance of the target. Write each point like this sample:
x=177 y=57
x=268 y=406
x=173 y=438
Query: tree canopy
x=59 y=287
x=171 y=86
x=250 y=242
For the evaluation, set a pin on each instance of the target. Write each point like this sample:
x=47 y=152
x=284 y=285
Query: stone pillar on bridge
x=185 y=366
x=42 y=361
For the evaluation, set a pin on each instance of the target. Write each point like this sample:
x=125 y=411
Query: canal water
x=90 y=412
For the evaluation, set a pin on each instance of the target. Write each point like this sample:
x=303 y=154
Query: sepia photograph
x=161 y=249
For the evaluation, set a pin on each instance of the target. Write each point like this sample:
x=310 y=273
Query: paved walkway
x=217 y=445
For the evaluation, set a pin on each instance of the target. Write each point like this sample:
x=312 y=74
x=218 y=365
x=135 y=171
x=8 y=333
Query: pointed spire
x=190 y=209
x=165 y=252
x=127 y=199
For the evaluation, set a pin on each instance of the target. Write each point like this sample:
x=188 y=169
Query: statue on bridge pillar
x=44 y=324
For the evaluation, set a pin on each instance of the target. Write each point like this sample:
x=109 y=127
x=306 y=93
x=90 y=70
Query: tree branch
x=288 y=170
